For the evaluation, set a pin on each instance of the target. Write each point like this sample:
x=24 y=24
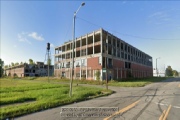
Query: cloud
x=22 y=38
x=124 y=2
x=159 y=17
x=35 y=36
x=157 y=14
x=15 y=46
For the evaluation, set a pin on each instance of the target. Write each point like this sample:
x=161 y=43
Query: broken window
x=128 y=65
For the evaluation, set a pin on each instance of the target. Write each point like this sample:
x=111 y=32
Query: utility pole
x=48 y=61
x=156 y=66
x=72 y=69
x=106 y=66
x=164 y=70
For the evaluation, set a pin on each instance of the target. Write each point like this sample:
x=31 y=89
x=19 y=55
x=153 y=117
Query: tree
x=1 y=67
x=12 y=64
x=175 y=73
x=6 y=66
x=16 y=63
x=169 y=71
x=31 y=62
x=97 y=75
x=21 y=63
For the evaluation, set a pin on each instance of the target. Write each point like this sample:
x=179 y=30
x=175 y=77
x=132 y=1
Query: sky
x=151 y=26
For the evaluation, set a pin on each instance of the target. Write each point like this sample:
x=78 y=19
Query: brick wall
x=94 y=63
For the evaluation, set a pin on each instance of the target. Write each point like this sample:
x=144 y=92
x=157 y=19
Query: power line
x=126 y=34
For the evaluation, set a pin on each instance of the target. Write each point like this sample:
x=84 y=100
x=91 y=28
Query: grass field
x=132 y=82
x=23 y=96
x=138 y=82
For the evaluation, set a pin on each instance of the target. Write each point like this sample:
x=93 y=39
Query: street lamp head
x=83 y=4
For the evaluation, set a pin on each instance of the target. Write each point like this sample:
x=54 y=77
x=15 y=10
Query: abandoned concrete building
x=24 y=70
x=92 y=50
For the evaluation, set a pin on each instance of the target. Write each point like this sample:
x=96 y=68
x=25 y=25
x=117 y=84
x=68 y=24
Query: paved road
x=155 y=101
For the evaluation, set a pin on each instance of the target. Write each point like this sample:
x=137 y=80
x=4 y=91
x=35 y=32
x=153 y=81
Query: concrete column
x=65 y=50
x=116 y=47
x=71 y=50
x=86 y=44
x=75 y=48
x=86 y=73
x=93 y=41
x=86 y=55
x=80 y=69
x=107 y=44
x=101 y=39
x=80 y=46
x=80 y=58
x=112 y=50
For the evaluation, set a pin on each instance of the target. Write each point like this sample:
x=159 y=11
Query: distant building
x=159 y=73
x=94 y=51
x=24 y=70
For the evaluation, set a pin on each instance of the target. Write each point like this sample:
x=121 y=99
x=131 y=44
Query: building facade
x=24 y=70
x=100 y=51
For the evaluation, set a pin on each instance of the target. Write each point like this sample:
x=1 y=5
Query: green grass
x=135 y=82
x=23 y=96
x=131 y=82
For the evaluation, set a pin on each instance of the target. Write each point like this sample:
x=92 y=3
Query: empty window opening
x=104 y=38
x=126 y=47
x=63 y=48
x=77 y=43
x=109 y=50
x=128 y=65
x=83 y=41
x=118 y=44
x=122 y=46
x=110 y=65
x=97 y=37
x=77 y=53
x=90 y=50
x=90 y=40
x=68 y=47
x=114 y=51
x=97 y=49
x=114 y=42
x=83 y=52
x=109 y=39
x=125 y=56
x=122 y=55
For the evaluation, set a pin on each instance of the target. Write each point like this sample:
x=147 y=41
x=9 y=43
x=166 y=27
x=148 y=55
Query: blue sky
x=153 y=27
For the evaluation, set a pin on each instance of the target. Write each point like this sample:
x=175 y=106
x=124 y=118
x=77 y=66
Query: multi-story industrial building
x=93 y=50
x=24 y=70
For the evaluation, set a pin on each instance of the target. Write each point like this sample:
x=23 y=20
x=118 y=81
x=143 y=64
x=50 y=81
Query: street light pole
x=72 y=70
x=156 y=66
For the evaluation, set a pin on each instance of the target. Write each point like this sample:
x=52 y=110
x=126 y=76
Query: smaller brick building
x=24 y=70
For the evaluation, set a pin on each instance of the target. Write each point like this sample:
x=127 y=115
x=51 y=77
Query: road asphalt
x=160 y=100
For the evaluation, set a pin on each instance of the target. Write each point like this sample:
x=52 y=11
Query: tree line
x=31 y=62
x=170 y=72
